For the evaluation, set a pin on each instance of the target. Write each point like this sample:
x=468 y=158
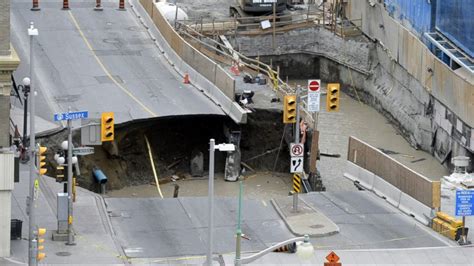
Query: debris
x=247 y=166
x=333 y=155
x=197 y=164
x=173 y=164
x=248 y=79
x=418 y=160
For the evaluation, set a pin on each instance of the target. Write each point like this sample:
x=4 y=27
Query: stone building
x=8 y=63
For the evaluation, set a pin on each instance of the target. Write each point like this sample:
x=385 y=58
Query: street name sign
x=314 y=95
x=83 y=150
x=71 y=115
x=464 y=202
x=296 y=164
x=296 y=150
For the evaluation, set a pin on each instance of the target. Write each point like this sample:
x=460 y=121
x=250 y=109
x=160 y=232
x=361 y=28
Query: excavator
x=246 y=8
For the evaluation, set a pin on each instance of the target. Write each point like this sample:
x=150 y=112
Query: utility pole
x=70 y=236
x=274 y=24
x=33 y=174
x=211 y=202
x=238 y=249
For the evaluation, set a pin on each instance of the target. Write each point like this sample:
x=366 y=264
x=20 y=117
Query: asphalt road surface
x=153 y=228
x=99 y=61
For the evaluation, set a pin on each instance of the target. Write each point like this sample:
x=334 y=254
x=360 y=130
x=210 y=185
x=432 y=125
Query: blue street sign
x=464 y=202
x=71 y=116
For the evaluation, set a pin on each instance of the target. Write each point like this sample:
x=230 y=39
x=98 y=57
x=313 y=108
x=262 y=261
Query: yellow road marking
x=264 y=203
x=105 y=69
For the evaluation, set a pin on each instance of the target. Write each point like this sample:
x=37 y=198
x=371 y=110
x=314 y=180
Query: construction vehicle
x=246 y=8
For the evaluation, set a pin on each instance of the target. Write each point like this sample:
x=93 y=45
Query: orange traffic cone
x=65 y=4
x=235 y=69
x=186 y=78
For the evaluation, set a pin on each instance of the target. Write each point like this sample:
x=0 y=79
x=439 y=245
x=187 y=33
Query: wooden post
x=314 y=145
x=314 y=151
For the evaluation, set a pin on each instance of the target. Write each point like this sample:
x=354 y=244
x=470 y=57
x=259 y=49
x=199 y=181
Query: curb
x=284 y=218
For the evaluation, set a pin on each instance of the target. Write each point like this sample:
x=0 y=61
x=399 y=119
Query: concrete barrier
x=407 y=181
x=202 y=71
x=390 y=193
x=411 y=206
x=352 y=171
x=387 y=191
x=366 y=178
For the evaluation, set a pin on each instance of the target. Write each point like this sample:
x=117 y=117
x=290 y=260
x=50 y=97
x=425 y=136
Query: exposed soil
x=173 y=140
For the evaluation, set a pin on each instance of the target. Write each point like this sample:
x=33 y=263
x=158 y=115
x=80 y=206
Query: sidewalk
x=418 y=256
x=94 y=235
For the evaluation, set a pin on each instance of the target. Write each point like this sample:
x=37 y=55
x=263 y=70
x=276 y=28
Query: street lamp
x=212 y=148
x=25 y=87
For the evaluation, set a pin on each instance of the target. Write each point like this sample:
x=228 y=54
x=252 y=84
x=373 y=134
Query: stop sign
x=314 y=85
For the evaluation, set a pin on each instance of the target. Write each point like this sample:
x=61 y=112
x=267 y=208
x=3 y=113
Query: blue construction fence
x=453 y=18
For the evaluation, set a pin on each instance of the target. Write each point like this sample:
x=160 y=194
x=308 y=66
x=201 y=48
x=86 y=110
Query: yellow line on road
x=264 y=203
x=105 y=69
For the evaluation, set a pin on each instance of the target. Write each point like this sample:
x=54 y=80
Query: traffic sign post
x=296 y=165
x=464 y=207
x=296 y=150
x=297 y=157
x=464 y=203
x=71 y=115
x=314 y=95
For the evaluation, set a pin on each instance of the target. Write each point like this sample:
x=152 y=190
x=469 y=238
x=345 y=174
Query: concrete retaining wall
x=452 y=90
x=386 y=172
x=206 y=75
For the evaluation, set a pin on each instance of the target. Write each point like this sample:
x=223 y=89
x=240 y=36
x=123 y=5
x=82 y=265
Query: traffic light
x=41 y=160
x=332 y=100
x=107 y=127
x=289 y=109
x=40 y=255
x=61 y=173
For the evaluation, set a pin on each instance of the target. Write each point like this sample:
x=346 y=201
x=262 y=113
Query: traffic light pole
x=297 y=129
x=70 y=236
x=33 y=174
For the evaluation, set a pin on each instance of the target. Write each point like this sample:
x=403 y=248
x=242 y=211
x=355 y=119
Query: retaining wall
x=450 y=89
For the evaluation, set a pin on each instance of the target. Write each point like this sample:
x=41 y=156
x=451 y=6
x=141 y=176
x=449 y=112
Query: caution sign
x=332 y=260
x=296 y=183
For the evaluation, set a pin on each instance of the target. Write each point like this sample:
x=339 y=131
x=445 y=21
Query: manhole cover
x=317 y=226
x=63 y=253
